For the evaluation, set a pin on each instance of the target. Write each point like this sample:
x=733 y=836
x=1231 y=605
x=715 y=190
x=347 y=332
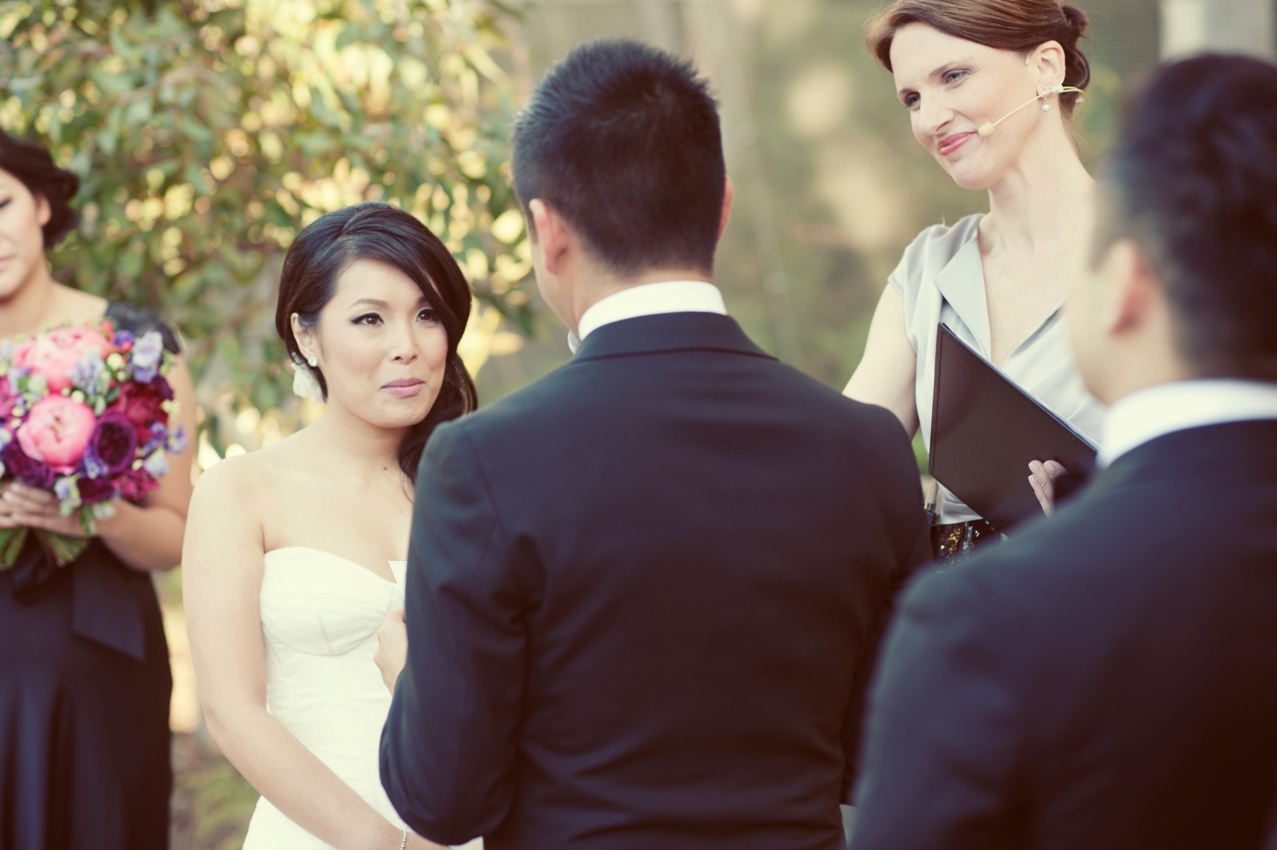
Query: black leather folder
x=984 y=432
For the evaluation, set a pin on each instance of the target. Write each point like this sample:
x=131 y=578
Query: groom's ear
x=729 y=194
x=552 y=232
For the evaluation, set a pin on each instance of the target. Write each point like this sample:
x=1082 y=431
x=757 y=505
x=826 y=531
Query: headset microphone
x=987 y=130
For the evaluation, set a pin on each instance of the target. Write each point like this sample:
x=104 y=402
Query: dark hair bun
x=30 y=162
x=1077 y=19
x=1077 y=68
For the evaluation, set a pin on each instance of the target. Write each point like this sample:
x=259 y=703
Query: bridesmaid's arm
x=887 y=371
x=149 y=536
x=222 y=579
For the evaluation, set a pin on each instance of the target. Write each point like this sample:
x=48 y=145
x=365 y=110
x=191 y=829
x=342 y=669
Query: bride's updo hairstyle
x=323 y=250
x=31 y=164
x=1016 y=25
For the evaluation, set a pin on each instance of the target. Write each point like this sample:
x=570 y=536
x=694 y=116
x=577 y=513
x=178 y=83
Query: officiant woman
x=979 y=80
x=84 y=672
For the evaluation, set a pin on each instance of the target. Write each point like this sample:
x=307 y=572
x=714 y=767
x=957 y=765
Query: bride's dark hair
x=323 y=250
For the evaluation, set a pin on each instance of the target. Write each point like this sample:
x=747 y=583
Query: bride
x=294 y=554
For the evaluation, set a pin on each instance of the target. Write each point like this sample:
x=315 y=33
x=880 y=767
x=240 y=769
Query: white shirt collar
x=650 y=299
x=1157 y=411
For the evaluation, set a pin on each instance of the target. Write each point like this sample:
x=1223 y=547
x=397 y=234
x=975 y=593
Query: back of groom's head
x=1192 y=181
x=623 y=141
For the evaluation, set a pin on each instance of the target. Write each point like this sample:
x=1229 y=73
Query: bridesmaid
x=995 y=279
x=84 y=672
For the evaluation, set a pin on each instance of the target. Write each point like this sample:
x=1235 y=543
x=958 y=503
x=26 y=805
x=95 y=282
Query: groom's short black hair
x=623 y=141
x=1192 y=179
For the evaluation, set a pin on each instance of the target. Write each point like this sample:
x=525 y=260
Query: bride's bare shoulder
x=245 y=478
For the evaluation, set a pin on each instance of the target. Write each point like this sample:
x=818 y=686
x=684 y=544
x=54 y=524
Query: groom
x=645 y=592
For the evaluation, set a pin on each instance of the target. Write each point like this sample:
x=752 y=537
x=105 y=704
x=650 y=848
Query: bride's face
x=380 y=345
x=952 y=87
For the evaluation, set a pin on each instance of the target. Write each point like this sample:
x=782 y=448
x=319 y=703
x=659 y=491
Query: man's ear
x=552 y=233
x=1132 y=291
x=729 y=194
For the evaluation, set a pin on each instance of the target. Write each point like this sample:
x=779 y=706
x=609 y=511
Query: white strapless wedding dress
x=320 y=615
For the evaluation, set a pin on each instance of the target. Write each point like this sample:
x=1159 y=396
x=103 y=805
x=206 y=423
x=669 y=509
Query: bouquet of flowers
x=85 y=414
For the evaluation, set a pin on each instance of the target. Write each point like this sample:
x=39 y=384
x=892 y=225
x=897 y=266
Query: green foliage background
x=208 y=132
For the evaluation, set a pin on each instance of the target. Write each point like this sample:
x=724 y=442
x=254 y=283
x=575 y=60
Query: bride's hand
x=392 y=648
x=1043 y=482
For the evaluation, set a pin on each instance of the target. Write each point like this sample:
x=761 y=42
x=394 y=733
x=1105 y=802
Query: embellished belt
x=952 y=542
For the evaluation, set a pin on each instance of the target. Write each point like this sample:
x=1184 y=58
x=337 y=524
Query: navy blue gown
x=84 y=696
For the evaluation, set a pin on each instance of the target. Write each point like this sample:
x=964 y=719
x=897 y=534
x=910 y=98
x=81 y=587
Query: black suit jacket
x=1107 y=680
x=642 y=597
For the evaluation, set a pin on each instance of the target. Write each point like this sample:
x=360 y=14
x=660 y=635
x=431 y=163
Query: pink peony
x=53 y=354
x=57 y=432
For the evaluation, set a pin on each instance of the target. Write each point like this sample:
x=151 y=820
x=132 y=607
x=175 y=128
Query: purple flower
x=177 y=442
x=25 y=469
x=159 y=434
x=112 y=446
x=135 y=484
x=66 y=491
x=122 y=338
x=96 y=490
x=86 y=374
x=146 y=357
x=156 y=465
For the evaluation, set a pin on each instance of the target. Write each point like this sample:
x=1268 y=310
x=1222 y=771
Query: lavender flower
x=177 y=441
x=94 y=466
x=156 y=464
x=68 y=494
x=88 y=373
x=159 y=433
x=146 y=357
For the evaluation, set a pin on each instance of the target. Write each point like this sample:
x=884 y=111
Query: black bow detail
x=106 y=604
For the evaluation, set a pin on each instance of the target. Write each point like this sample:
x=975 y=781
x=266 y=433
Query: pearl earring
x=1046 y=107
x=313 y=361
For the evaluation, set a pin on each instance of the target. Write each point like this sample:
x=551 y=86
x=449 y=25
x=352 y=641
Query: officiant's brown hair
x=1017 y=25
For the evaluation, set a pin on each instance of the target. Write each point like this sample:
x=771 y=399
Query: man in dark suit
x=1107 y=679
x=645 y=592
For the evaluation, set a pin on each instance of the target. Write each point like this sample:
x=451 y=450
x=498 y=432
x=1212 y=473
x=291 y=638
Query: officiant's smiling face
x=952 y=87
x=380 y=345
x=22 y=217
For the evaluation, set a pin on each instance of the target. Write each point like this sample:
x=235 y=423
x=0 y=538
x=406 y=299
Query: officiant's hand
x=392 y=648
x=26 y=507
x=1043 y=483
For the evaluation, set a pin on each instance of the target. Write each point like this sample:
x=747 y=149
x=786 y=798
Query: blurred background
x=207 y=132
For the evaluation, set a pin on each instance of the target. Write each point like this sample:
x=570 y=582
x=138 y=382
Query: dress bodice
x=941 y=281
x=320 y=614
